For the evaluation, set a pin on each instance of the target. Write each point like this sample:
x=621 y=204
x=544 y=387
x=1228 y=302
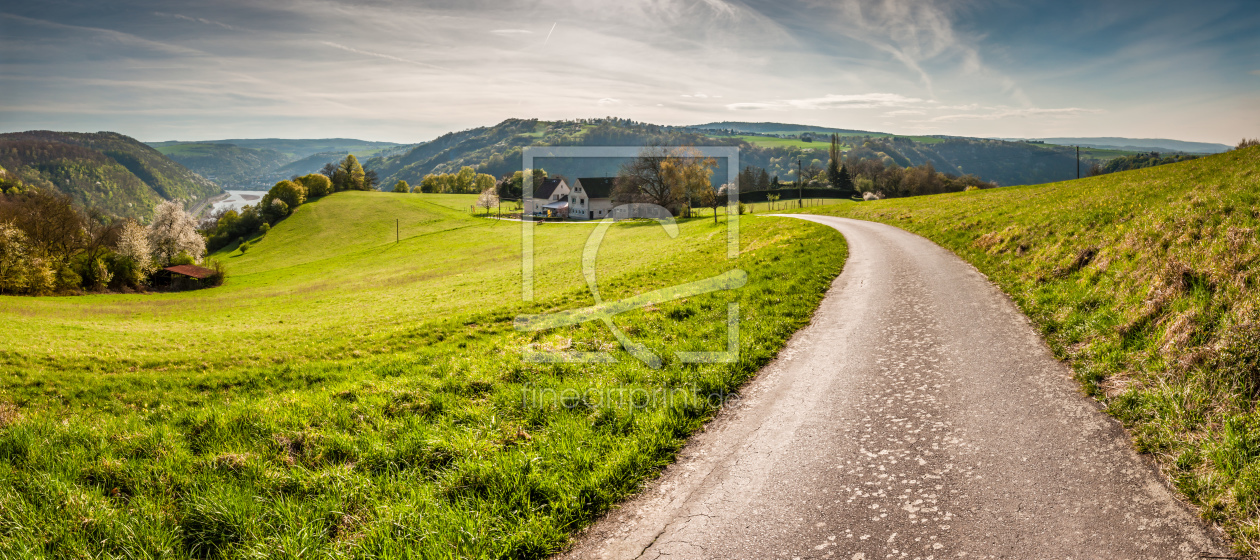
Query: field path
x=919 y=415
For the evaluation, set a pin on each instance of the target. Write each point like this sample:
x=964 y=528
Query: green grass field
x=1146 y=282
x=344 y=395
x=771 y=142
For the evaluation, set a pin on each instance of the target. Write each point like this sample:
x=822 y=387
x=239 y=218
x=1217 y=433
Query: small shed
x=185 y=276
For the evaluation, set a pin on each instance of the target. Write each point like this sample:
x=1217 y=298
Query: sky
x=410 y=71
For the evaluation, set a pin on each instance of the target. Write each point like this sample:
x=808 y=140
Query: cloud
x=118 y=37
x=901 y=112
x=833 y=101
x=198 y=20
x=511 y=32
x=1004 y=112
x=609 y=101
x=379 y=55
x=1256 y=72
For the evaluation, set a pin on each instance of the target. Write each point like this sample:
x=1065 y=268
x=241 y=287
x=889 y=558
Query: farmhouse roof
x=598 y=187
x=548 y=186
x=193 y=271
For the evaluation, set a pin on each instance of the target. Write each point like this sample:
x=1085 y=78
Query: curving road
x=919 y=415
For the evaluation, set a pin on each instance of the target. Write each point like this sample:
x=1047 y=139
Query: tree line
x=48 y=245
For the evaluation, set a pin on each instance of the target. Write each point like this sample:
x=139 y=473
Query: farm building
x=551 y=199
x=592 y=198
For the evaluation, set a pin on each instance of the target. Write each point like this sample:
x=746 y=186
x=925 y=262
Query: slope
x=348 y=395
x=1146 y=282
x=105 y=170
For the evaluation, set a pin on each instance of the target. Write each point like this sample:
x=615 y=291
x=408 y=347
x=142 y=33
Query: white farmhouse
x=550 y=199
x=591 y=198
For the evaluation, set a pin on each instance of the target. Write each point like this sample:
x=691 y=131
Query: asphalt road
x=919 y=415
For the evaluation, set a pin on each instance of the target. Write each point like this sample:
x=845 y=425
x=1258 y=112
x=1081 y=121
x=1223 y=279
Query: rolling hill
x=343 y=394
x=1147 y=282
x=496 y=150
x=1142 y=144
x=105 y=170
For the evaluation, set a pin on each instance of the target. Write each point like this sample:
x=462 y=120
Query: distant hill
x=226 y=164
x=106 y=170
x=778 y=128
x=1141 y=144
x=256 y=164
x=497 y=150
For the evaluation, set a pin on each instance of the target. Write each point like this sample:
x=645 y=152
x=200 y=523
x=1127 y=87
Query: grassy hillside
x=346 y=395
x=105 y=170
x=1146 y=281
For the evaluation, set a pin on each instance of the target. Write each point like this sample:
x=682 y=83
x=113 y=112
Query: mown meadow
x=1146 y=281
x=344 y=395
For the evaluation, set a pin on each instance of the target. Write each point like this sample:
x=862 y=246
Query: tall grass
x=1146 y=282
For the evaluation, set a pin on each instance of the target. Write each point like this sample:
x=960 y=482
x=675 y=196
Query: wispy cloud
x=198 y=20
x=110 y=35
x=832 y=101
x=511 y=32
x=1005 y=113
x=380 y=55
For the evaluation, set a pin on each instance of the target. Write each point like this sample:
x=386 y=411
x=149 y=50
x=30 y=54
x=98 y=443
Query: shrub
x=264 y=228
x=402 y=187
x=67 y=278
x=126 y=273
x=93 y=270
x=275 y=211
x=219 y=276
x=244 y=246
x=13 y=259
x=317 y=185
x=41 y=278
x=183 y=258
x=291 y=193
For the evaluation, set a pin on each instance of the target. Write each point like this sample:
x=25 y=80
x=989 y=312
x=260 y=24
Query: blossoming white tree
x=488 y=199
x=172 y=232
x=133 y=244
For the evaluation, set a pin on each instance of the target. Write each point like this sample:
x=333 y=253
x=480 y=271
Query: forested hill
x=104 y=170
x=258 y=163
x=497 y=149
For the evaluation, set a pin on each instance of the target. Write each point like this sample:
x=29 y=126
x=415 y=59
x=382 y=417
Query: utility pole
x=799 y=179
x=1078 y=162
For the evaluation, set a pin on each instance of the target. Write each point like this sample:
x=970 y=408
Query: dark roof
x=598 y=187
x=191 y=270
x=548 y=186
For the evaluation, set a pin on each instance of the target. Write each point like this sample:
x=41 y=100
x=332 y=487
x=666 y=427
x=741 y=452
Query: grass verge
x=1146 y=282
